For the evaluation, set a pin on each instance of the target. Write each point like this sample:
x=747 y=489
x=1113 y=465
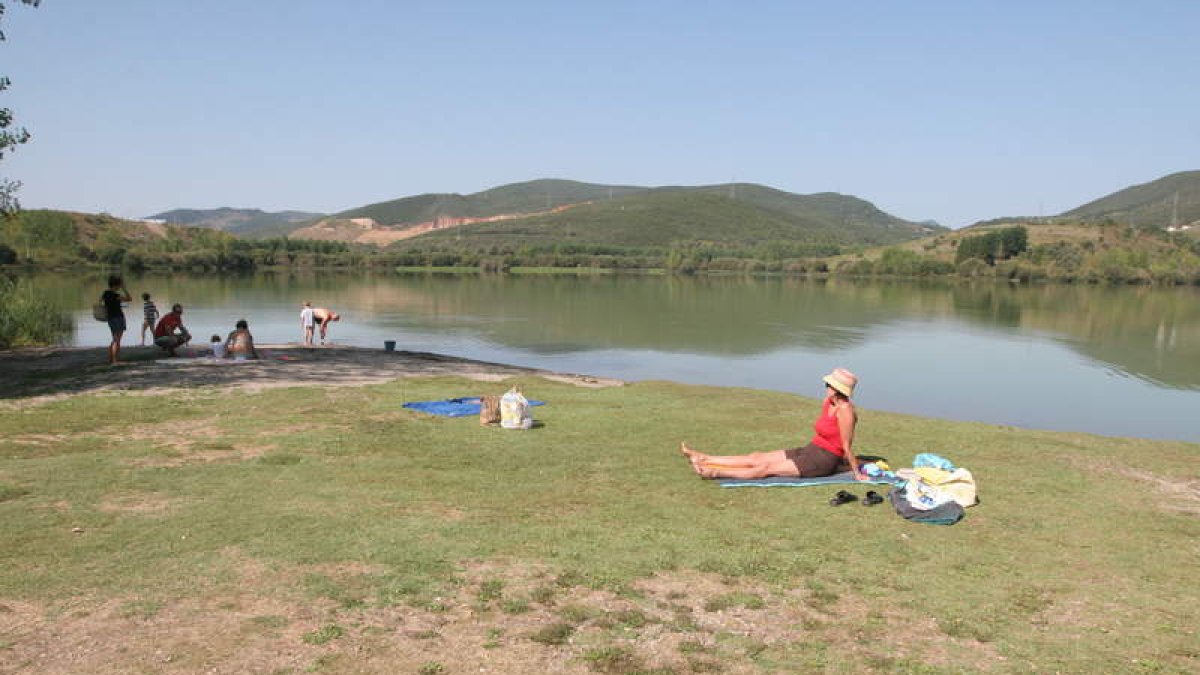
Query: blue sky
x=953 y=111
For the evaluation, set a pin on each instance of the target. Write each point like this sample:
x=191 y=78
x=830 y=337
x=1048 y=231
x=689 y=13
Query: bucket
x=389 y=345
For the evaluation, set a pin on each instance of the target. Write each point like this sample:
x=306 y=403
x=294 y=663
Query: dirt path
x=51 y=372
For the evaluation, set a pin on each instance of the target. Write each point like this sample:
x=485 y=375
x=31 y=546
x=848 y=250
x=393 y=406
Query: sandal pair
x=843 y=497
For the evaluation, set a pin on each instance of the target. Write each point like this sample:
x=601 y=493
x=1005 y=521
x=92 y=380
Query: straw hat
x=841 y=380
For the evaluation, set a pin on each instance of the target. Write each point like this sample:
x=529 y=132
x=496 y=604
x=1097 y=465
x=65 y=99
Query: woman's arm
x=846 y=421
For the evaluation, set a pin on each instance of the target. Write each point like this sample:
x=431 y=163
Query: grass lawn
x=318 y=529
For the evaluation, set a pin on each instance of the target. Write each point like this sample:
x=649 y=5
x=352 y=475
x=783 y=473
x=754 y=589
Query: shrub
x=972 y=267
x=27 y=318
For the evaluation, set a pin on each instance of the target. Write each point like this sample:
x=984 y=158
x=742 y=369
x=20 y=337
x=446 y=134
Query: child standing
x=149 y=316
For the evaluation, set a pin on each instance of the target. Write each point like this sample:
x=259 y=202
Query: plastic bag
x=514 y=410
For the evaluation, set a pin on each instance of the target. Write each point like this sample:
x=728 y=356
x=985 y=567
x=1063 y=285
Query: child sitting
x=218 y=347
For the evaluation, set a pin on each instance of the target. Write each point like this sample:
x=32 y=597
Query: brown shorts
x=813 y=460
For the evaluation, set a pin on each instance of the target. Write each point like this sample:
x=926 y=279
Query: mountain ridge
x=409 y=217
x=1172 y=200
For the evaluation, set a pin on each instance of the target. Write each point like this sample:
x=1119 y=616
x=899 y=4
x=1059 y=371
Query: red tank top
x=829 y=434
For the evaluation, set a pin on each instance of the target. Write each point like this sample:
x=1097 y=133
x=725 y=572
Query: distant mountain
x=252 y=223
x=622 y=215
x=1170 y=200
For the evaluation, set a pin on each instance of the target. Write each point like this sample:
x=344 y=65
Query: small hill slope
x=1170 y=200
x=252 y=223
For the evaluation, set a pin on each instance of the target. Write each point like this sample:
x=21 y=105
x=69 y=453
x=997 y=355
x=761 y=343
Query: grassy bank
x=328 y=529
x=27 y=318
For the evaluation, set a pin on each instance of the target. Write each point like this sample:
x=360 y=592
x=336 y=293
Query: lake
x=1121 y=361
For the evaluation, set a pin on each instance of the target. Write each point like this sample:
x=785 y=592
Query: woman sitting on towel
x=828 y=453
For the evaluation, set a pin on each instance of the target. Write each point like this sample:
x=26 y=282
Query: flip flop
x=842 y=497
x=872 y=498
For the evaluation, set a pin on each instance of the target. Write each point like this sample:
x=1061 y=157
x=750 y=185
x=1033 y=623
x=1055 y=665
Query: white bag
x=514 y=410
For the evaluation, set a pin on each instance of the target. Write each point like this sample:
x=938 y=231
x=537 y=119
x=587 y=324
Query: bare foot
x=691 y=454
x=695 y=458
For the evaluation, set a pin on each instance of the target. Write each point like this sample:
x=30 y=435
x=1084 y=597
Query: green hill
x=828 y=215
x=1170 y=200
x=62 y=239
x=854 y=219
x=252 y=223
x=741 y=218
x=517 y=198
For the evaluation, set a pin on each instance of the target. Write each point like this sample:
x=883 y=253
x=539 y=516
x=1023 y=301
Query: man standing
x=170 y=333
x=307 y=323
x=323 y=317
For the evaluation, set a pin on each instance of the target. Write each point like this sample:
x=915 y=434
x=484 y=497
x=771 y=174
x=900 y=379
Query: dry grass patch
x=136 y=503
x=1171 y=494
x=1180 y=494
x=176 y=433
x=278 y=619
x=38 y=440
x=208 y=454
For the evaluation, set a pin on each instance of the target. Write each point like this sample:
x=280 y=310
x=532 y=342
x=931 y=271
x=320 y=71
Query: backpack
x=489 y=410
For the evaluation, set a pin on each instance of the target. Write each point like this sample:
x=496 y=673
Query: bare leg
x=714 y=471
x=750 y=460
x=753 y=465
x=114 y=348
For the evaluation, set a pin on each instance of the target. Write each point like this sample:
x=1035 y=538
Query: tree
x=10 y=138
x=997 y=245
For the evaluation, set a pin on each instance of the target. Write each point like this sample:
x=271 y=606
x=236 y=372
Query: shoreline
x=35 y=375
x=42 y=372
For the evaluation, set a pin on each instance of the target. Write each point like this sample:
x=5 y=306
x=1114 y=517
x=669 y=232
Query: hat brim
x=838 y=386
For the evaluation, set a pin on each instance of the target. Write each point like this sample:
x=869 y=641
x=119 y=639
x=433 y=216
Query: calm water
x=1114 y=361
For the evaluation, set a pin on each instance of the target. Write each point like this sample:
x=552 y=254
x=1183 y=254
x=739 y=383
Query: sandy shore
x=59 y=371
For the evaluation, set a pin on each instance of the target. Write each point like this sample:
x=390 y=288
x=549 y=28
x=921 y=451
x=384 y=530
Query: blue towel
x=455 y=407
x=846 y=477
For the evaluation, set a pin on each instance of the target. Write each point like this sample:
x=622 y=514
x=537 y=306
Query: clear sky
x=951 y=110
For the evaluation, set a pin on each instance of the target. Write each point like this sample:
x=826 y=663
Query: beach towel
x=846 y=477
x=454 y=407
